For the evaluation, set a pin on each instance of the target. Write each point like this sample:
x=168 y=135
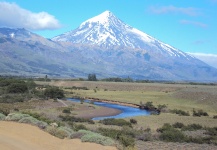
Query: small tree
x=92 y=77
x=17 y=88
x=54 y=92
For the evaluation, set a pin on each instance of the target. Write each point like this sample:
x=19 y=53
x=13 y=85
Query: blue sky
x=189 y=25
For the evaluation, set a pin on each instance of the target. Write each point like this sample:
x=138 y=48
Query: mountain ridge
x=77 y=53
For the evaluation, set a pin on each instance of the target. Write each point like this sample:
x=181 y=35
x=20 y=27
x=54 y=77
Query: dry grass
x=175 y=96
x=156 y=121
x=173 y=146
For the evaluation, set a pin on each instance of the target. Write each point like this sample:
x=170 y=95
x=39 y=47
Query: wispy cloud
x=210 y=59
x=195 y=23
x=12 y=15
x=200 y=42
x=191 y=11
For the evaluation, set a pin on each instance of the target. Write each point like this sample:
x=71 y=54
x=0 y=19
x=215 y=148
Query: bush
x=38 y=116
x=4 y=110
x=199 y=113
x=11 y=98
x=180 y=112
x=2 y=116
x=172 y=135
x=75 y=119
x=146 y=136
x=161 y=107
x=192 y=127
x=124 y=136
x=33 y=121
x=76 y=135
x=66 y=110
x=178 y=125
x=96 y=138
x=79 y=127
x=54 y=92
x=61 y=132
x=215 y=117
x=127 y=141
x=165 y=127
x=118 y=122
x=16 y=116
x=133 y=121
x=17 y=88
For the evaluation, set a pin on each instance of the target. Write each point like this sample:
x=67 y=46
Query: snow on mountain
x=103 y=45
x=106 y=30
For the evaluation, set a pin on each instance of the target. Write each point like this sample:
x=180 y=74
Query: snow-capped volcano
x=103 y=45
x=107 y=31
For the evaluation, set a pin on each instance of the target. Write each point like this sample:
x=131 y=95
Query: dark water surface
x=127 y=111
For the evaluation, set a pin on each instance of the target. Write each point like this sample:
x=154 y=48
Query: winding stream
x=127 y=111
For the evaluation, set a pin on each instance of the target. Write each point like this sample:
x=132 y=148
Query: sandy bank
x=17 y=136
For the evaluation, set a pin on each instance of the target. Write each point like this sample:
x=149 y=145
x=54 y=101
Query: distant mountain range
x=103 y=45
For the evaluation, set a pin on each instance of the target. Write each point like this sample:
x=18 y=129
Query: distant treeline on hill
x=93 y=77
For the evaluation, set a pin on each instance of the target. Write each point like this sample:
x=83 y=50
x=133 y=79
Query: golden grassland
x=175 y=96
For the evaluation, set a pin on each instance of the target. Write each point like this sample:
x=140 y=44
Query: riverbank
x=114 y=102
x=17 y=136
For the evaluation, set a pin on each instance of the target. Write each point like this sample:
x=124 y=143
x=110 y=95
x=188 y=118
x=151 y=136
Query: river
x=126 y=111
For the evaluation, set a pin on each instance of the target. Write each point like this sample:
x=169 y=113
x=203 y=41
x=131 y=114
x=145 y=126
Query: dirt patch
x=99 y=112
x=16 y=136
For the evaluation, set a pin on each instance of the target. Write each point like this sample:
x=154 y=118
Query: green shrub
x=133 y=121
x=127 y=141
x=4 y=110
x=76 y=135
x=180 y=112
x=2 y=116
x=161 y=107
x=192 y=127
x=112 y=133
x=199 y=113
x=165 y=127
x=96 y=138
x=66 y=110
x=17 y=88
x=79 y=127
x=117 y=122
x=172 y=135
x=16 y=116
x=54 y=92
x=178 y=125
x=75 y=119
x=12 y=98
x=33 y=121
x=212 y=131
x=125 y=136
x=61 y=132
x=146 y=136
x=38 y=116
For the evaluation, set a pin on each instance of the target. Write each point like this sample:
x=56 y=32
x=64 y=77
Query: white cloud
x=195 y=23
x=210 y=59
x=12 y=15
x=172 y=9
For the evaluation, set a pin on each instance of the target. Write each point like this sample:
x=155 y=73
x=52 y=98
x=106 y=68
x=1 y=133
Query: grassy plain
x=185 y=97
x=175 y=96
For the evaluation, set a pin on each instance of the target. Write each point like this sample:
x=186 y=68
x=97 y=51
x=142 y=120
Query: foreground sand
x=17 y=136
